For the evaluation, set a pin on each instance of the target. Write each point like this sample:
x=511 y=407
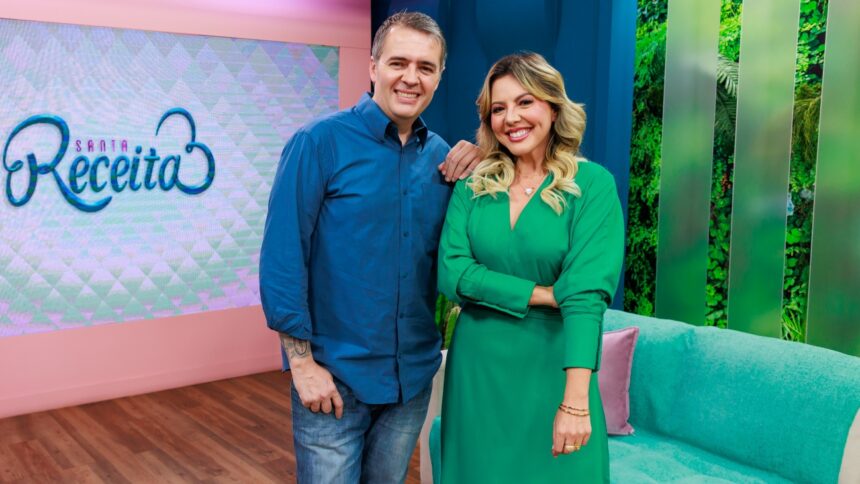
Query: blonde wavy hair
x=496 y=172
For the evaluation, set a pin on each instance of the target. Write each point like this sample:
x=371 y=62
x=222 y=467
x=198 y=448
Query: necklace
x=530 y=188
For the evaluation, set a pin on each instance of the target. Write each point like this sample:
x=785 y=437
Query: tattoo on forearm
x=295 y=348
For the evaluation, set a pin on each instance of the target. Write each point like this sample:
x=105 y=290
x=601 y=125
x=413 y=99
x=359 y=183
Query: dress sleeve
x=464 y=279
x=591 y=270
x=294 y=203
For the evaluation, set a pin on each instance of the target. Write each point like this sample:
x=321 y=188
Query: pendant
x=529 y=190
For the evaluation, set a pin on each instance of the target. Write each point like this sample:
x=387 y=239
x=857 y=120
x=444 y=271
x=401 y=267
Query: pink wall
x=69 y=367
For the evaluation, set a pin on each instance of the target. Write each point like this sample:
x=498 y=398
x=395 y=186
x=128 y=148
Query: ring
x=571 y=448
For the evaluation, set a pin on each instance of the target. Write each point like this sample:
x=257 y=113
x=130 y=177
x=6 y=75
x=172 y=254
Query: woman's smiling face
x=521 y=122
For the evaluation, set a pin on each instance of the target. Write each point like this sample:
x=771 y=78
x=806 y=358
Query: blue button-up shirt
x=349 y=251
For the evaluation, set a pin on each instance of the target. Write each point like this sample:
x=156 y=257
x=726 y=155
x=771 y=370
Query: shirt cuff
x=582 y=337
x=502 y=292
x=296 y=325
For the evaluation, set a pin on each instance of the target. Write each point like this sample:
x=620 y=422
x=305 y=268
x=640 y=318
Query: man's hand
x=315 y=386
x=314 y=383
x=461 y=160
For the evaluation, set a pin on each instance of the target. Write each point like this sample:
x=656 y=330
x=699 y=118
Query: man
x=347 y=267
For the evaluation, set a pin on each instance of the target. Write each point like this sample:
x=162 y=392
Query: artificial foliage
x=645 y=162
x=645 y=155
x=446 y=317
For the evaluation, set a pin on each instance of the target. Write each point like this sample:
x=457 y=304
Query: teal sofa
x=713 y=405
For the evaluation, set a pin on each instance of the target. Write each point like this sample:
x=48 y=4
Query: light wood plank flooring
x=236 y=430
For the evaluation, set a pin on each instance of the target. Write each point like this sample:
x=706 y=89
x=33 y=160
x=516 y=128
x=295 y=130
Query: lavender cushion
x=614 y=378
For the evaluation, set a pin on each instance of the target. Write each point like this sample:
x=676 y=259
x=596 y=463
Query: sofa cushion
x=647 y=457
x=614 y=378
x=776 y=405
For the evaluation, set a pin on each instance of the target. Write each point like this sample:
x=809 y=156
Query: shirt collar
x=379 y=123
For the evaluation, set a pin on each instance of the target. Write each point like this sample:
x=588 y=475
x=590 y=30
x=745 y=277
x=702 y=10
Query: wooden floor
x=235 y=430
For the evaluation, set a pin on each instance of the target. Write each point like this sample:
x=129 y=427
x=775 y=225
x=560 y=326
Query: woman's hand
x=543 y=296
x=572 y=426
x=569 y=433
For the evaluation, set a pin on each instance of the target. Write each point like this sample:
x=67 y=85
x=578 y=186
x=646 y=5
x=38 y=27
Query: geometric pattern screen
x=137 y=167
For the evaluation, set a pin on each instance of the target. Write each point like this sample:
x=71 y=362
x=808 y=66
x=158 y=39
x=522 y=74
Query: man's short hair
x=413 y=20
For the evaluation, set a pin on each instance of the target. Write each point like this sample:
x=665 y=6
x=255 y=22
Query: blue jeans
x=369 y=444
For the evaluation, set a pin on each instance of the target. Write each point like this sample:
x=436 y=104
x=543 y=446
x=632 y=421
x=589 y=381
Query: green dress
x=504 y=378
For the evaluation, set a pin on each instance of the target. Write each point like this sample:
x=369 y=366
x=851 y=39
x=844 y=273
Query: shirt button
x=403 y=276
x=406 y=234
x=405 y=192
x=401 y=315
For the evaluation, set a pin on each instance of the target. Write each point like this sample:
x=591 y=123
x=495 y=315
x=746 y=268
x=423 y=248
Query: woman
x=532 y=249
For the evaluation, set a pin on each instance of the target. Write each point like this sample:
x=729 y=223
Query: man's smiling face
x=406 y=74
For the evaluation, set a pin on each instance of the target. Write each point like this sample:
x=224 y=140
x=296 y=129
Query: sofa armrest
x=436 y=449
x=850 y=470
x=428 y=473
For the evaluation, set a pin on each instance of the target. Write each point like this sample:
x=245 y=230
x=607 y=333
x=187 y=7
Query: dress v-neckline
x=512 y=224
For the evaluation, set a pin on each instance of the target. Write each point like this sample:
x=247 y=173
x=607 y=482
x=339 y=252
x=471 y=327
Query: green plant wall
x=641 y=258
x=640 y=273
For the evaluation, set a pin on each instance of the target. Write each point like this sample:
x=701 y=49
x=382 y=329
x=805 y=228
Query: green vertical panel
x=685 y=171
x=762 y=150
x=834 y=286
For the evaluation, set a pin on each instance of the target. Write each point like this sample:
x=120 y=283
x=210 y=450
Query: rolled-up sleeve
x=294 y=204
x=590 y=271
x=464 y=279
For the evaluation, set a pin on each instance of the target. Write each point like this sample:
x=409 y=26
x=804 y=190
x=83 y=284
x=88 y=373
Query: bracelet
x=575 y=412
x=574 y=408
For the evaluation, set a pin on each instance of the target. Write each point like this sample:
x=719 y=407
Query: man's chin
x=408 y=113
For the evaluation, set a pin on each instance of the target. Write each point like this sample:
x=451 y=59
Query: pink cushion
x=614 y=378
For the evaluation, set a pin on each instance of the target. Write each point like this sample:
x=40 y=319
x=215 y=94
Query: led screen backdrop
x=137 y=167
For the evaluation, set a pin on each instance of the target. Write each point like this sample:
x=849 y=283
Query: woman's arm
x=591 y=268
x=589 y=277
x=464 y=279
